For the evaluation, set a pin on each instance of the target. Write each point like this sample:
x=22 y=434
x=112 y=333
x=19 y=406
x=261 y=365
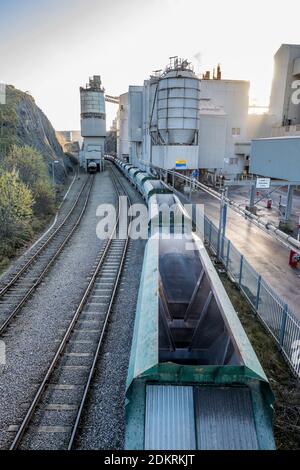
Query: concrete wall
x=91 y=127
x=166 y=155
x=276 y=158
x=260 y=125
x=212 y=139
x=135 y=113
x=233 y=97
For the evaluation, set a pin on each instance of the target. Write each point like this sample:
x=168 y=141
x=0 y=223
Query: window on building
x=236 y=131
x=233 y=161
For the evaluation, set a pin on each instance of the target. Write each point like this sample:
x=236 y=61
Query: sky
x=51 y=47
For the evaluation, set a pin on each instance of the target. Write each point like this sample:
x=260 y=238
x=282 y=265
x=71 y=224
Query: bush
x=44 y=199
x=16 y=202
x=33 y=172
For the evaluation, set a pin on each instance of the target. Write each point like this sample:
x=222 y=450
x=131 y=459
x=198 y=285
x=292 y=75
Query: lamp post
x=53 y=172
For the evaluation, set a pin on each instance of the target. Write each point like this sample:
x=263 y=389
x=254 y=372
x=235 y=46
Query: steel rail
x=16 y=309
x=92 y=370
x=52 y=367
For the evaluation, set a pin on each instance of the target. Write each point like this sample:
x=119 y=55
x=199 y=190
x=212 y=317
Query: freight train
x=92 y=167
x=194 y=380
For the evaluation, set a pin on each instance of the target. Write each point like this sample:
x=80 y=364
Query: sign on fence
x=263 y=183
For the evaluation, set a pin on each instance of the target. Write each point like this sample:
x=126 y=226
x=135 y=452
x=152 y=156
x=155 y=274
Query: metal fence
x=275 y=315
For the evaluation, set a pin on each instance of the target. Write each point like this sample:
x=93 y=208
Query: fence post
x=283 y=324
x=227 y=256
x=258 y=293
x=241 y=270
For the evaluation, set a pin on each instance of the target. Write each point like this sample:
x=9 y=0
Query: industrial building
x=276 y=157
x=93 y=122
x=222 y=137
x=175 y=120
x=286 y=73
x=122 y=127
x=275 y=149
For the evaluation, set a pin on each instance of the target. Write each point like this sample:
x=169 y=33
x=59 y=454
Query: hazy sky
x=51 y=47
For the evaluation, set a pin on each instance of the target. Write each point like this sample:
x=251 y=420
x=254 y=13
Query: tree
x=16 y=202
x=33 y=172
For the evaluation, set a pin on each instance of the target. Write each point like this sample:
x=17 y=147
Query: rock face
x=23 y=123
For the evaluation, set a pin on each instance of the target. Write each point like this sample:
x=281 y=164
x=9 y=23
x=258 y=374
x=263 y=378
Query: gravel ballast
x=32 y=339
x=103 y=422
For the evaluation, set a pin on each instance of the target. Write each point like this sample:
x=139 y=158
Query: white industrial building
x=276 y=157
x=222 y=136
x=175 y=120
x=93 y=122
x=122 y=127
x=284 y=86
x=275 y=150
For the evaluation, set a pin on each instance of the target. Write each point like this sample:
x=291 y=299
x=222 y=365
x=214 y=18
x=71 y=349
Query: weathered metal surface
x=169 y=418
x=144 y=351
x=224 y=419
x=194 y=358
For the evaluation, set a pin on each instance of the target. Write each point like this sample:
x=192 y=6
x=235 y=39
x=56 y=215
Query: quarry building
x=176 y=120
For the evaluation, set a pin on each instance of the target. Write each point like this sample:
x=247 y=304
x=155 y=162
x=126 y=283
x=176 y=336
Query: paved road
x=266 y=255
x=241 y=195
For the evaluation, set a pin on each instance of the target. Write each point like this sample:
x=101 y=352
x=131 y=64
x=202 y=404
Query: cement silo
x=93 y=122
x=178 y=99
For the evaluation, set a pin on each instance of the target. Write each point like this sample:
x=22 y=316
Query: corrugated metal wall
x=189 y=418
x=170 y=421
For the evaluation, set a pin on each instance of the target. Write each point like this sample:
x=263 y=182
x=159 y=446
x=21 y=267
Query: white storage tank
x=93 y=117
x=178 y=97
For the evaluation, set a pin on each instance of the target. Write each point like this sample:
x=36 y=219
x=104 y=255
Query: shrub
x=33 y=172
x=16 y=202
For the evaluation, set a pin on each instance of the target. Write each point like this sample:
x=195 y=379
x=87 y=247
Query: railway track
x=15 y=293
x=53 y=418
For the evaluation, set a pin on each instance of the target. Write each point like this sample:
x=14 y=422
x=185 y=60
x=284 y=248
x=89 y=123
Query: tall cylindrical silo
x=93 y=116
x=178 y=96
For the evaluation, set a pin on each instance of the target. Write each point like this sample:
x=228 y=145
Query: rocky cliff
x=23 y=123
